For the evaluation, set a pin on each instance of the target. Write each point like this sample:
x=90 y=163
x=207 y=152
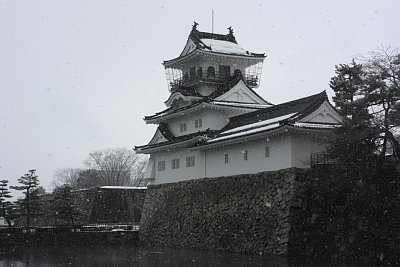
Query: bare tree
x=382 y=92
x=66 y=176
x=115 y=166
x=138 y=171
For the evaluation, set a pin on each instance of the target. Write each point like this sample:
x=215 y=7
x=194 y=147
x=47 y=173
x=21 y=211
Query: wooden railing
x=97 y=227
x=322 y=158
x=250 y=80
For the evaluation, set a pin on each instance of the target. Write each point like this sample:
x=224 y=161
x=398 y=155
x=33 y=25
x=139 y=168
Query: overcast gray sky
x=76 y=76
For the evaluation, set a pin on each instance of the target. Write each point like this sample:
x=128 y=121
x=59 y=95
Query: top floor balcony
x=194 y=76
x=250 y=80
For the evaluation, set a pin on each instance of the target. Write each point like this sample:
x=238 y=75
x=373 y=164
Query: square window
x=175 y=164
x=161 y=166
x=245 y=155
x=267 y=152
x=226 y=158
x=198 y=123
x=190 y=161
x=183 y=127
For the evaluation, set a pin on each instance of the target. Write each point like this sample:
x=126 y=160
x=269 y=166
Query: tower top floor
x=211 y=59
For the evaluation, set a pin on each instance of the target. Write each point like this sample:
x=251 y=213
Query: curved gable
x=189 y=47
x=325 y=113
x=243 y=94
x=158 y=137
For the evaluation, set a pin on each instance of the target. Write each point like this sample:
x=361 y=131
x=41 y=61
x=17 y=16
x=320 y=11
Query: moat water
x=128 y=255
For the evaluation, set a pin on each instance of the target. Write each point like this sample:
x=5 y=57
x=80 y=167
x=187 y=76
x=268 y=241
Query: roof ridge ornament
x=194 y=27
x=230 y=35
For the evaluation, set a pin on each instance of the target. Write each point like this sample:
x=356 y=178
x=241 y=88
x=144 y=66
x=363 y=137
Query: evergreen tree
x=349 y=86
x=63 y=206
x=352 y=145
x=5 y=205
x=368 y=98
x=28 y=206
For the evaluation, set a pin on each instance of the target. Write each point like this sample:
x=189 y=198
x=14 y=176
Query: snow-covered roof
x=213 y=43
x=239 y=104
x=244 y=133
x=225 y=47
x=271 y=118
x=210 y=100
x=124 y=187
x=263 y=119
x=259 y=124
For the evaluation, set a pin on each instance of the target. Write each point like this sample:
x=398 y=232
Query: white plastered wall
x=215 y=119
x=211 y=163
x=182 y=173
x=303 y=145
x=280 y=147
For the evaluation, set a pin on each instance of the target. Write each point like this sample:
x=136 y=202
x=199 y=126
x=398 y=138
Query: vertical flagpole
x=212 y=20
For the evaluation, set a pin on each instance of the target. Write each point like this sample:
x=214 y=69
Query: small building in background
x=216 y=124
x=3 y=222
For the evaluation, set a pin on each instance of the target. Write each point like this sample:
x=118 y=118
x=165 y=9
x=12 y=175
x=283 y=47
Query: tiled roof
x=270 y=119
x=175 y=139
x=199 y=38
x=226 y=44
x=197 y=35
x=208 y=99
x=170 y=110
x=260 y=121
x=187 y=91
x=299 y=106
x=237 y=76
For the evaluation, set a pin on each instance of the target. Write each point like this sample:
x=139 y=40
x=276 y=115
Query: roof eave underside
x=244 y=138
x=279 y=110
x=254 y=56
x=194 y=108
x=167 y=145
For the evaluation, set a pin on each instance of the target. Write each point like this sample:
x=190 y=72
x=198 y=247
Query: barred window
x=245 y=155
x=183 y=127
x=198 y=123
x=226 y=158
x=161 y=166
x=190 y=161
x=267 y=152
x=175 y=164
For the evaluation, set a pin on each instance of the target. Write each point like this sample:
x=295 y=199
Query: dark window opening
x=224 y=71
x=200 y=73
x=192 y=73
x=211 y=72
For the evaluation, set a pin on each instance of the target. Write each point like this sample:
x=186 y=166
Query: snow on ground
x=123 y=187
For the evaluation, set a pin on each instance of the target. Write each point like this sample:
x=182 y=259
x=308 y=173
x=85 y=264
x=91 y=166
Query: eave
x=146 y=149
x=196 y=107
x=280 y=130
x=176 y=95
x=197 y=51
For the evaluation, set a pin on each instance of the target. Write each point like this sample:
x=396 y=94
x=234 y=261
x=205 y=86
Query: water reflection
x=124 y=255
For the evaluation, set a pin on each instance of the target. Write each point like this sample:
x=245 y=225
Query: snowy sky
x=79 y=75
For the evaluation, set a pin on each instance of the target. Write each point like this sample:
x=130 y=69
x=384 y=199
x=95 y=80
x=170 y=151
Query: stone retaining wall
x=291 y=212
x=244 y=213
